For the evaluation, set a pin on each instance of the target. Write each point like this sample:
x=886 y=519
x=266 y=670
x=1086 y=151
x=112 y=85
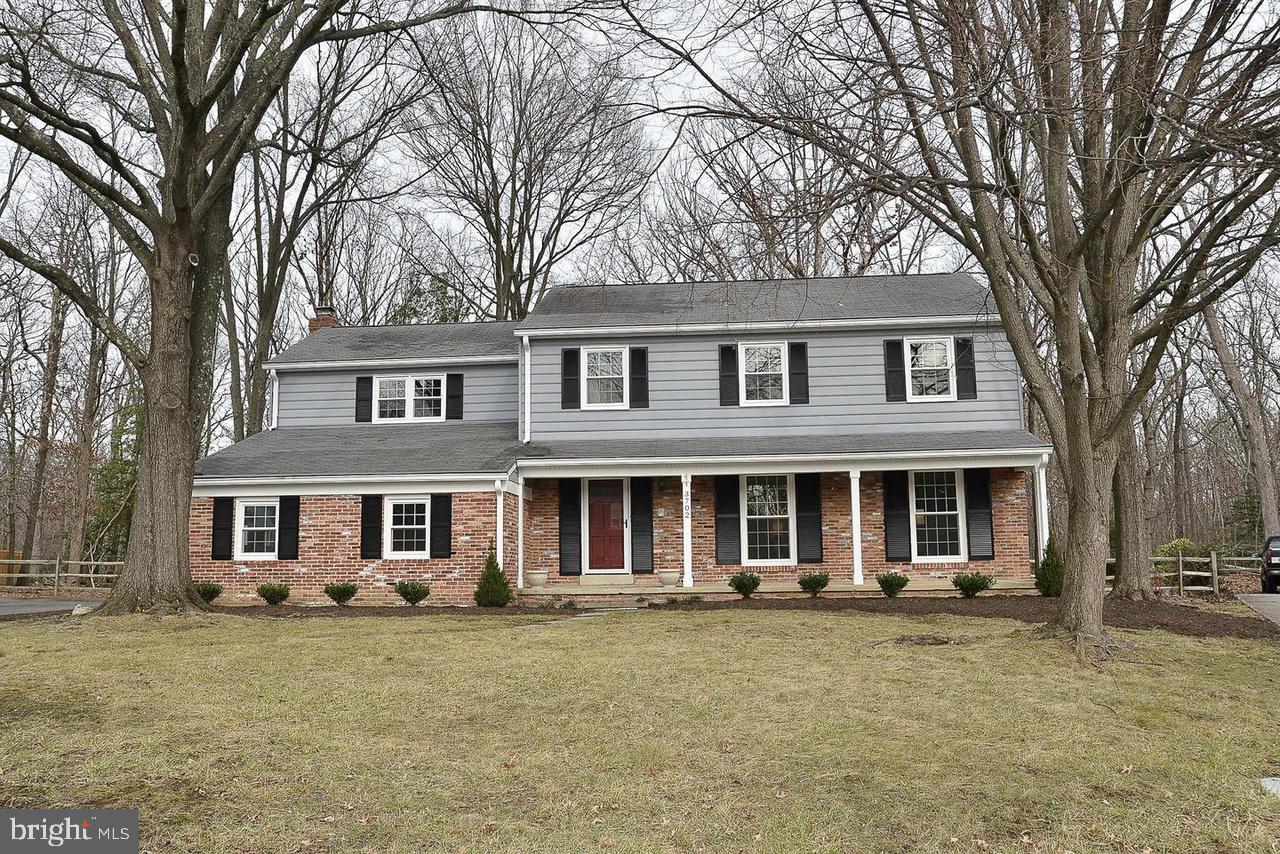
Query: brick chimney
x=324 y=319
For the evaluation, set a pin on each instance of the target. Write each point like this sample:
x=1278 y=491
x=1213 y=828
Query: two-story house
x=624 y=435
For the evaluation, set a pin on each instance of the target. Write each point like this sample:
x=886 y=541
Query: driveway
x=1266 y=604
x=20 y=607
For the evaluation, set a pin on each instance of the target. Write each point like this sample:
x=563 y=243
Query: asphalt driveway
x=1266 y=604
x=20 y=607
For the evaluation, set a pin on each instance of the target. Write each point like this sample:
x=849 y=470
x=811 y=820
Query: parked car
x=1271 y=566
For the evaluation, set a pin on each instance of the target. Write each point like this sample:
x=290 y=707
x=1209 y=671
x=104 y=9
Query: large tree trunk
x=1085 y=556
x=1133 y=535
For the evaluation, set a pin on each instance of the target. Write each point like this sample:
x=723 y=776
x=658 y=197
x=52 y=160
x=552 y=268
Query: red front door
x=606 y=531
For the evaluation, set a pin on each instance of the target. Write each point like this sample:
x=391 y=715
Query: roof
x=773 y=300
x=363 y=450
x=420 y=341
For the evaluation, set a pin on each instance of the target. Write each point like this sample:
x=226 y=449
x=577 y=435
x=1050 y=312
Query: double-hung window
x=257 y=527
x=412 y=398
x=931 y=369
x=604 y=378
x=407 y=526
x=937 y=518
x=762 y=374
x=768 y=519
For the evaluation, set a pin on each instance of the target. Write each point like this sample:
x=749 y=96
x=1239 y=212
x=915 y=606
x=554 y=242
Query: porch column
x=520 y=535
x=686 y=514
x=855 y=506
x=497 y=489
x=1042 y=509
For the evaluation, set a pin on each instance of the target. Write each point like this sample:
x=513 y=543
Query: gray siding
x=846 y=391
x=328 y=398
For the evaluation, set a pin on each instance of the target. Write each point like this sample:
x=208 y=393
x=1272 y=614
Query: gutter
x=757 y=326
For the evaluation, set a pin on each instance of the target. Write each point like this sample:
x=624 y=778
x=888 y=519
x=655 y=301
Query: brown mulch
x=296 y=611
x=1170 y=615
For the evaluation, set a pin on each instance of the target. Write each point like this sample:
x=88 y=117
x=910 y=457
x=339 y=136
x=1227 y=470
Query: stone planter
x=535 y=577
x=668 y=577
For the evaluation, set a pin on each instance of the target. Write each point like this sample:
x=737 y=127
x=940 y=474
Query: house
x=627 y=435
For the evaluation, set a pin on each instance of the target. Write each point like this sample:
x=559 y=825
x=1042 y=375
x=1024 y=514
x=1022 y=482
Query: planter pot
x=668 y=577
x=535 y=577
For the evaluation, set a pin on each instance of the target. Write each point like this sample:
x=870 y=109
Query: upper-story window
x=762 y=374
x=257 y=524
x=416 y=398
x=931 y=369
x=604 y=378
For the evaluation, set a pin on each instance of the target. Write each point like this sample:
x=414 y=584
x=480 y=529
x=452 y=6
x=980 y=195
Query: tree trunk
x=84 y=453
x=1255 y=426
x=52 y=363
x=1133 y=535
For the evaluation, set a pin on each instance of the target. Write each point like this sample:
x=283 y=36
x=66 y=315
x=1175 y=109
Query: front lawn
x=734 y=729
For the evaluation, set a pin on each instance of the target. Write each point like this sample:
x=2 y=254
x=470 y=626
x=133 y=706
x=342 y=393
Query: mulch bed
x=298 y=611
x=1172 y=616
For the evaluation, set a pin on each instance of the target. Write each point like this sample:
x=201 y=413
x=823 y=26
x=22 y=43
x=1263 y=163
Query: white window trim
x=238 y=529
x=409 y=380
x=950 y=341
x=387 y=501
x=743 y=346
x=916 y=557
x=792 y=560
x=586 y=527
x=626 y=377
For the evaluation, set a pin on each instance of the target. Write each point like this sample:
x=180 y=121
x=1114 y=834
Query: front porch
x=646 y=587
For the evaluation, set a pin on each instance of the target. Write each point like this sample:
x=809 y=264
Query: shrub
x=814 y=583
x=1188 y=547
x=412 y=592
x=970 y=584
x=273 y=593
x=493 y=590
x=209 y=591
x=892 y=583
x=744 y=583
x=1049 y=571
x=341 y=592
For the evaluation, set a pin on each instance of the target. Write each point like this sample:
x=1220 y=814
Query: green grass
x=756 y=731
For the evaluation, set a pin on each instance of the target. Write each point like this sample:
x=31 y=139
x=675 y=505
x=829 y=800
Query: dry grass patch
x=767 y=731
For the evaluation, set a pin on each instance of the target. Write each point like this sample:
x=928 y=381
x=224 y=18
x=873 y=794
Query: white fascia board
x=760 y=326
x=381 y=364
x=785 y=463
x=210 y=487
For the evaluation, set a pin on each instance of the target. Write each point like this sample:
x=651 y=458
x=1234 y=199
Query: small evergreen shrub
x=209 y=591
x=1050 y=570
x=412 y=592
x=569 y=605
x=273 y=593
x=970 y=584
x=744 y=583
x=341 y=592
x=892 y=583
x=814 y=583
x=493 y=590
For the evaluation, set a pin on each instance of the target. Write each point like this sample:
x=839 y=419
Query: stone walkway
x=1266 y=604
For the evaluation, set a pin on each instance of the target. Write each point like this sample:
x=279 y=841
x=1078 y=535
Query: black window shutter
x=895 y=372
x=641 y=524
x=798 y=369
x=728 y=525
x=224 y=521
x=728 y=375
x=287 y=535
x=897 y=517
x=639 y=377
x=977 y=514
x=966 y=376
x=570 y=524
x=442 y=524
x=453 y=397
x=364 y=398
x=809 y=518
x=569 y=379
x=370 y=526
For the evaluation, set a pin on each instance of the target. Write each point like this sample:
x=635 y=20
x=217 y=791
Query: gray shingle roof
x=422 y=341
x=784 y=300
x=409 y=449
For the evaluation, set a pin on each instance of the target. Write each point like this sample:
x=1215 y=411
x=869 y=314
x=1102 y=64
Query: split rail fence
x=59 y=573
x=1186 y=574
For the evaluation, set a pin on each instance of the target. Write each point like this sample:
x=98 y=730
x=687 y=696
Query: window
x=763 y=374
x=256 y=526
x=768 y=524
x=937 y=523
x=409 y=398
x=604 y=378
x=407 y=527
x=931 y=369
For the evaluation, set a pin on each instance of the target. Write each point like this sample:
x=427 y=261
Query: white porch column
x=520 y=535
x=686 y=515
x=497 y=489
x=1042 y=509
x=855 y=506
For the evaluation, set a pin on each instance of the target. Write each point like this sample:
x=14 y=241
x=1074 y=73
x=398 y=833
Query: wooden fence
x=58 y=573
x=1186 y=574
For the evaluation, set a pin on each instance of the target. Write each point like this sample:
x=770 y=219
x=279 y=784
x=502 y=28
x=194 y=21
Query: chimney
x=324 y=319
